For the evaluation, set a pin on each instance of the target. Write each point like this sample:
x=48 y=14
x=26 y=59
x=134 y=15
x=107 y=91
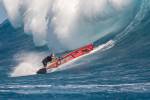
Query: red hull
x=72 y=55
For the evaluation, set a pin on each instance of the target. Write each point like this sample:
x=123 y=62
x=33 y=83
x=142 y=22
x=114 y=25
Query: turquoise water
x=118 y=72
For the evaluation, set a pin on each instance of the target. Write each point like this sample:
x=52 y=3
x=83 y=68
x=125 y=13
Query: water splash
x=24 y=69
x=29 y=63
x=69 y=24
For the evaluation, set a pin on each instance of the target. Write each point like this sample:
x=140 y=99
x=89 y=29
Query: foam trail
x=105 y=46
x=68 y=22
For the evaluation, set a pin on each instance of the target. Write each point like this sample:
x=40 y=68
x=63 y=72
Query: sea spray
x=28 y=63
x=69 y=24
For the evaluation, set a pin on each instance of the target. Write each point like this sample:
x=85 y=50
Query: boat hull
x=68 y=57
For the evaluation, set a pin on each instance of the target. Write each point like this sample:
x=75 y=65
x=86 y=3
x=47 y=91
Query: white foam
x=29 y=64
x=69 y=24
x=24 y=69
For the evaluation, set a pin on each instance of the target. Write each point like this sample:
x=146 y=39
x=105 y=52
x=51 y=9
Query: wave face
x=118 y=69
x=70 y=24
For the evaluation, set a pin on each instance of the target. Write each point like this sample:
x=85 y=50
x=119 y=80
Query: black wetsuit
x=46 y=60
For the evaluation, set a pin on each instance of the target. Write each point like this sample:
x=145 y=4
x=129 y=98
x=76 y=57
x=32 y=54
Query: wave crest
x=68 y=24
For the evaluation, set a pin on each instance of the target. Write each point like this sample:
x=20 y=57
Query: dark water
x=119 y=73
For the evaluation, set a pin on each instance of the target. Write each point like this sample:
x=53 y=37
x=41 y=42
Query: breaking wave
x=69 y=24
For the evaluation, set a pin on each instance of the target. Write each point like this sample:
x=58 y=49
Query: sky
x=2 y=13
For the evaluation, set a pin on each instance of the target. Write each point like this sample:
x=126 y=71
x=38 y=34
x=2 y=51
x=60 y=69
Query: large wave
x=68 y=24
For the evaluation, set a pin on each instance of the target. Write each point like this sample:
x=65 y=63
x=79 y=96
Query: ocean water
x=118 y=69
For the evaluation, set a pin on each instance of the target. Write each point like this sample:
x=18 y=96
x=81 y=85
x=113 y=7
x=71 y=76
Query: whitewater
x=117 y=69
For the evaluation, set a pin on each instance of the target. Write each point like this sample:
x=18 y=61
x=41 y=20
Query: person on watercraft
x=48 y=59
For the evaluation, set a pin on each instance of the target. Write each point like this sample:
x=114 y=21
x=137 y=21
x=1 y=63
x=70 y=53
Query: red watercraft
x=68 y=57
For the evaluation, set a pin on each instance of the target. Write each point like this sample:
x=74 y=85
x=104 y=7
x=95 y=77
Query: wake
x=30 y=67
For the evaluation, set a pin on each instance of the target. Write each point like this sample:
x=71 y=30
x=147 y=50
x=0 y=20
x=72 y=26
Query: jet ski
x=67 y=57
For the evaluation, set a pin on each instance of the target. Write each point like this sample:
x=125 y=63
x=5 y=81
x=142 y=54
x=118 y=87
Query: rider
x=48 y=59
